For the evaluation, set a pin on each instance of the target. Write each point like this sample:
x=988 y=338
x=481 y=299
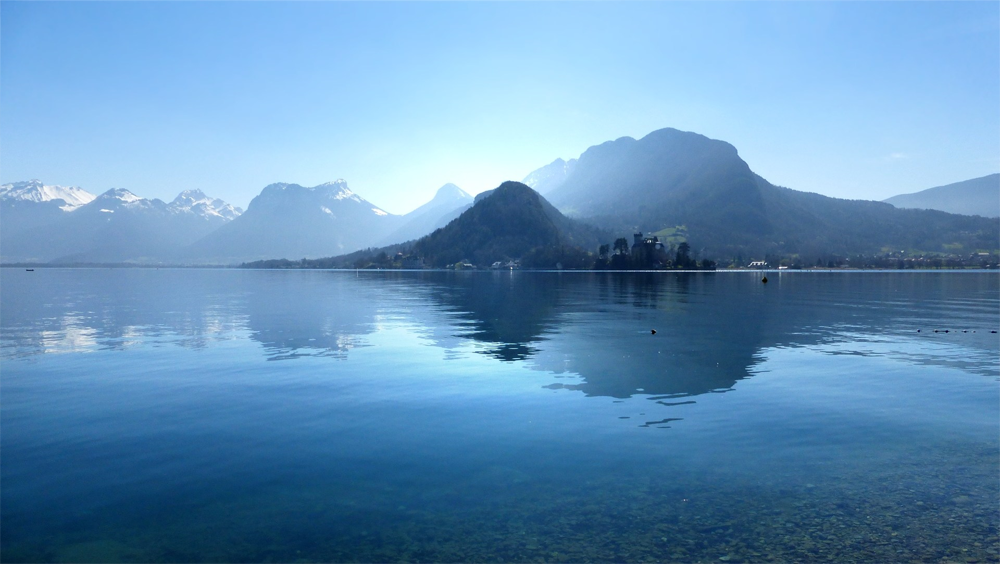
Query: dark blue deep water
x=233 y=415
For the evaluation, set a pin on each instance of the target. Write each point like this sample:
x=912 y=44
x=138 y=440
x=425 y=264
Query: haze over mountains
x=448 y=203
x=115 y=226
x=284 y=220
x=979 y=196
x=550 y=176
x=292 y=220
x=672 y=178
x=509 y=223
x=288 y=220
x=37 y=192
x=28 y=204
x=667 y=181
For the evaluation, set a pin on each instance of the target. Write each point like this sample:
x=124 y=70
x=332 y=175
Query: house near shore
x=648 y=251
x=646 y=243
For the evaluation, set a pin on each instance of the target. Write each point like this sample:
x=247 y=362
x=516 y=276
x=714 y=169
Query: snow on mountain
x=37 y=191
x=189 y=202
x=332 y=193
x=44 y=223
x=115 y=226
x=338 y=190
x=115 y=195
x=290 y=220
x=120 y=200
x=195 y=201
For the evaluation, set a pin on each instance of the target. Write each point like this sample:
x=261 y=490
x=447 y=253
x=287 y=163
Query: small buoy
x=918 y=330
x=764 y=279
x=652 y=332
x=947 y=331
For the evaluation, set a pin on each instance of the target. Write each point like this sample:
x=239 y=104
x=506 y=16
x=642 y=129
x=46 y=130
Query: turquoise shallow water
x=230 y=415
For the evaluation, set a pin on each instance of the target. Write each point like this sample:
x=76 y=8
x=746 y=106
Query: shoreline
x=665 y=271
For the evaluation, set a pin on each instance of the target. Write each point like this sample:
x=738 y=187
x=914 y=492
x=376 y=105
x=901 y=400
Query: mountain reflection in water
x=710 y=327
x=235 y=415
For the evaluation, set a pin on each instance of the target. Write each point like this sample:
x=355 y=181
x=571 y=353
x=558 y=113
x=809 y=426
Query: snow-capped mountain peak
x=345 y=193
x=291 y=220
x=37 y=191
x=120 y=194
x=338 y=190
x=330 y=198
x=190 y=196
x=197 y=202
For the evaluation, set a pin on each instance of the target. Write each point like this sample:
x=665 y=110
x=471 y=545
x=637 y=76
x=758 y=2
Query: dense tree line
x=647 y=257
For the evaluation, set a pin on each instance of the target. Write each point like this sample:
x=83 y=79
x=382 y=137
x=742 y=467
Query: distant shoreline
x=665 y=271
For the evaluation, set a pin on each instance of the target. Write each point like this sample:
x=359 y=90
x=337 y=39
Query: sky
x=856 y=100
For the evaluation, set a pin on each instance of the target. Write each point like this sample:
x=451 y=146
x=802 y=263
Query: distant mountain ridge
x=284 y=220
x=289 y=220
x=30 y=204
x=666 y=177
x=978 y=196
x=673 y=178
x=669 y=182
x=36 y=191
x=510 y=222
x=115 y=226
x=448 y=202
x=550 y=176
x=197 y=202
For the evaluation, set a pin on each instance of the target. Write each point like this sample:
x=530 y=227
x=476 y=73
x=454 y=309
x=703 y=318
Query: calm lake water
x=230 y=415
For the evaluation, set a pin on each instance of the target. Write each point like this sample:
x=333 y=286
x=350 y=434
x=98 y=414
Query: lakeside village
x=650 y=253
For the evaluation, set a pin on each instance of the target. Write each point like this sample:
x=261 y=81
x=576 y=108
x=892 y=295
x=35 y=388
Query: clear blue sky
x=854 y=99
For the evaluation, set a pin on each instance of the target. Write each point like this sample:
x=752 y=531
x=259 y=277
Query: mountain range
x=289 y=220
x=35 y=191
x=28 y=204
x=670 y=179
x=678 y=185
x=509 y=223
x=58 y=224
x=448 y=203
x=292 y=220
x=69 y=225
x=979 y=196
x=550 y=176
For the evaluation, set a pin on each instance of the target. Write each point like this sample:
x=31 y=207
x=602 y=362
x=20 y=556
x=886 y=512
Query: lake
x=235 y=415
